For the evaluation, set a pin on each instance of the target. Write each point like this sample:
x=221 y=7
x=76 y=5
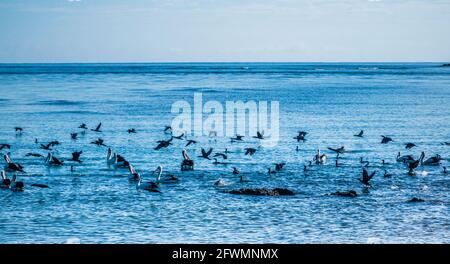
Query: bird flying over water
x=2 y=146
x=366 y=178
x=190 y=141
x=97 y=129
x=131 y=131
x=205 y=154
x=360 y=134
x=163 y=144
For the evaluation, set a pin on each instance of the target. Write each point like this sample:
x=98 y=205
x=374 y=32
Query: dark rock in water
x=263 y=191
x=39 y=185
x=416 y=200
x=445 y=65
x=350 y=193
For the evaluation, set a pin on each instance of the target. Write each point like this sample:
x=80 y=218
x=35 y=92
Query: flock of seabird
x=117 y=161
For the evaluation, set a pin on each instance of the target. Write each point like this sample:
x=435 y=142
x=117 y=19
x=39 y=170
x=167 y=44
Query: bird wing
x=99 y=125
x=209 y=152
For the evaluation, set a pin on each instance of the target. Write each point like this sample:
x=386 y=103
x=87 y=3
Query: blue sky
x=224 y=30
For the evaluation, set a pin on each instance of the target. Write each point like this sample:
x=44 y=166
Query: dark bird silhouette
x=338 y=150
x=360 y=134
x=53 y=161
x=54 y=143
x=18 y=129
x=279 y=166
x=16 y=185
x=11 y=166
x=168 y=129
x=99 y=142
x=236 y=171
x=179 y=137
x=301 y=136
x=73 y=135
x=163 y=144
x=412 y=166
x=83 y=126
x=97 y=129
x=386 y=174
x=5 y=182
x=205 y=154
x=132 y=131
x=237 y=138
x=444 y=170
x=221 y=155
x=410 y=145
x=385 y=139
x=76 y=156
x=2 y=146
x=47 y=147
x=366 y=178
x=250 y=151
x=446 y=143
x=190 y=142
x=259 y=135
x=37 y=155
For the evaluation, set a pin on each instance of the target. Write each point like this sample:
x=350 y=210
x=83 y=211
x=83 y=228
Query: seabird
x=434 y=160
x=37 y=155
x=279 y=166
x=413 y=165
x=445 y=170
x=73 y=135
x=5 y=183
x=205 y=154
x=97 y=129
x=190 y=142
x=11 y=166
x=404 y=158
x=385 y=139
x=99 y=142
x=83 y=126
x=250 y=151
x=163 y=144
x=259 y=135
x=236 y=171
x=179 y=137
x=53 y=161
x=320 y=158
x=147 y=186
x=340 y=150
x=360 y=134
x=2 y=146
x=386 y=174
x=76 y=156
x=410 y=145
x=168 y=129
x=47 y=147
x=18 y=130
x=366 y=178
x=131 y=131
x=16 y=185
x=301 y=136
x=221 y=155
x=237 y=138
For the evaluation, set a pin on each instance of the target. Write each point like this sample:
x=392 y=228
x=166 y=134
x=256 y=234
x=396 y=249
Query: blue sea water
x=97 y=204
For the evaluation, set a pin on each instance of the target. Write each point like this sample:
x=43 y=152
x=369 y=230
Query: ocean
x=95 y=203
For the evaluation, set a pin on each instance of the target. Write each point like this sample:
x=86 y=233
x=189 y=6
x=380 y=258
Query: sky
x=224 y=30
